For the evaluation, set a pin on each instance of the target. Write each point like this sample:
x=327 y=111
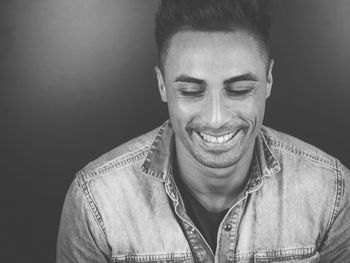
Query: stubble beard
x=216 y=158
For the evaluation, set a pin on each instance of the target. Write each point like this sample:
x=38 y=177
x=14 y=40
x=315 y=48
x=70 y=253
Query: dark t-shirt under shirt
x=207 y=222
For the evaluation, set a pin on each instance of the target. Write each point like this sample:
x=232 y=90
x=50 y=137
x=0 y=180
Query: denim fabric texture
x=125 y=207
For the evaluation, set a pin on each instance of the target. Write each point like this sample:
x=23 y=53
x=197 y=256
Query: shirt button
x=191 y=230
x=227 y=227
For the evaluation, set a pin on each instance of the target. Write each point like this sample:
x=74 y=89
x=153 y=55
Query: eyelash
x=238 y=92
x=234 y=93
x=191 y=93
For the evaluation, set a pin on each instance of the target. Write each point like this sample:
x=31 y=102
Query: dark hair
x=210 y=16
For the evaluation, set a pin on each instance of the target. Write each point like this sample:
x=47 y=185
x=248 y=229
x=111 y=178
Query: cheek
x=182 y=111
x=251 y=109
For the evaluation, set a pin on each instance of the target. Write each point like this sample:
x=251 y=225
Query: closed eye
x=239 y=92
x=191 y=91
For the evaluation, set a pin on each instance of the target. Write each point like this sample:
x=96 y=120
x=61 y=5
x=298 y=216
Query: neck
x=216 y=188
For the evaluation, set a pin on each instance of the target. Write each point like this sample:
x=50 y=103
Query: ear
x=269 y=79
x=161 y=84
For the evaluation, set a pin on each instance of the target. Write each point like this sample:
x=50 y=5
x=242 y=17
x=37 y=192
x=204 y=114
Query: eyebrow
x=244 y=77
x=188 y=79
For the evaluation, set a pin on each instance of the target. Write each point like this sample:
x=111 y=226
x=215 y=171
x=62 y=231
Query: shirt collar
x=159 y=157
x=264 y=164
x=268 y=164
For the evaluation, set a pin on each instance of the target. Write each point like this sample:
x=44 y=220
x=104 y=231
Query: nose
x=215 y=112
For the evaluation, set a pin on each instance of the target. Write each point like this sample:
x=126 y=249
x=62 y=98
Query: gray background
x=77 y=79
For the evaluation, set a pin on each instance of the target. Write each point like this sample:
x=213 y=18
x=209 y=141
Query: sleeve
x=80 y=237
x=336 y=246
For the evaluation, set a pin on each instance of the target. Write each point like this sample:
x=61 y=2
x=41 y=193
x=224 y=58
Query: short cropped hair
x=174 y=16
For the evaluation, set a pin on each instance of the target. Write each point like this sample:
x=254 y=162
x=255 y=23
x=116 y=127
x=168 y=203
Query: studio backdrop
x=77 y=79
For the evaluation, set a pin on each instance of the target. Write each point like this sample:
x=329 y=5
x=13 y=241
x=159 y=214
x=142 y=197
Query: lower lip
x=227 y=144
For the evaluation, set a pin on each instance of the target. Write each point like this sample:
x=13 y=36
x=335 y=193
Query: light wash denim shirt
x=125 y=207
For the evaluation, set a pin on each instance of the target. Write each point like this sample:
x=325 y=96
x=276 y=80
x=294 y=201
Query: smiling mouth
x=212 y=139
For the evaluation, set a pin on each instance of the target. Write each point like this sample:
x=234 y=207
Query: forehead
x=207 y=51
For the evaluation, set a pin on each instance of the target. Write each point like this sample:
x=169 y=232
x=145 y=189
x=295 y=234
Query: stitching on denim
x=236 y=218
x=116 y=163
x=152 y=257
x=277 y=166
x=338 y=195
x=170 y=168
x=273 y=142
x=261 y=178
x=185 y=223
x=88 y=196
x=154 y=175
x=282 y=254
x=258 y=166
x=156 y=138
x=325 y=165
x=158 y=135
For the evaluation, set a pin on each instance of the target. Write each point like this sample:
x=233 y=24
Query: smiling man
x=212 y=184
x=215 y=84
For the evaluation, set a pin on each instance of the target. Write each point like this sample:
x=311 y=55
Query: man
x=211 y=184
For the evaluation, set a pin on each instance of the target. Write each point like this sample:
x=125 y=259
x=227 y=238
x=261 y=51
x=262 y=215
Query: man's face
x=215 y=85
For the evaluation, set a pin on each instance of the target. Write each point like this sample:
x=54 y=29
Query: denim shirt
x=125 y=207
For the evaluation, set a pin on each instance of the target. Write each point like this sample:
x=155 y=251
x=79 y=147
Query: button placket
x=234 y=225
x=197 y=243
x=226 y=236
x=228 y=232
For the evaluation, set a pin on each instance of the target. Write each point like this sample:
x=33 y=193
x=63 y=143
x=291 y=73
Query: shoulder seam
x=273 y=142
x=115 y=163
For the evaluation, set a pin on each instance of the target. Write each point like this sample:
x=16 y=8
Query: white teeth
x=217 y=139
